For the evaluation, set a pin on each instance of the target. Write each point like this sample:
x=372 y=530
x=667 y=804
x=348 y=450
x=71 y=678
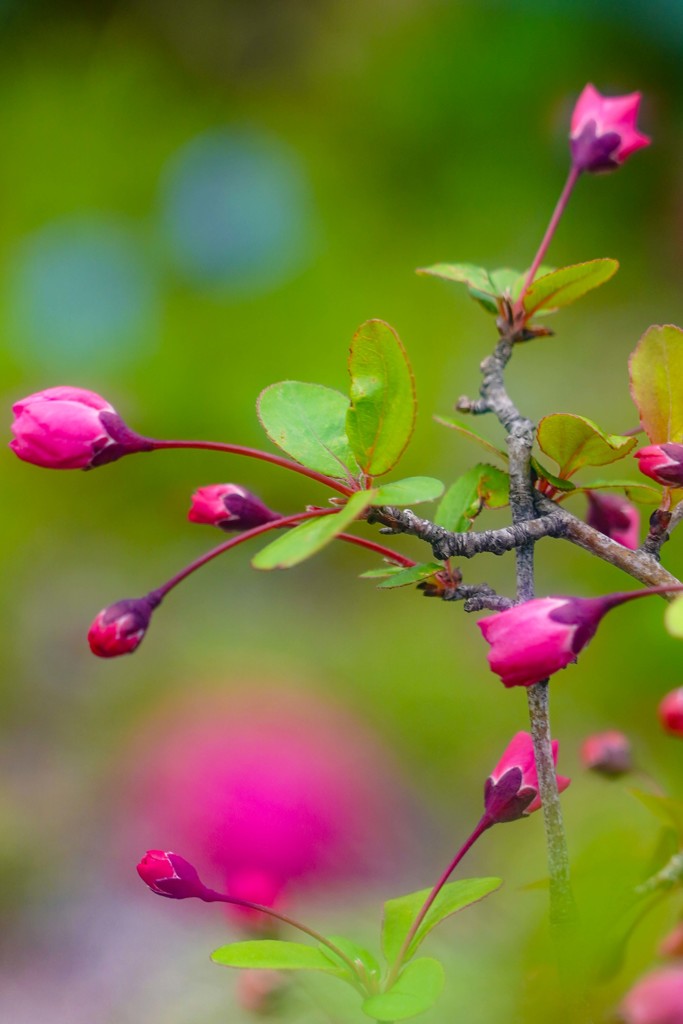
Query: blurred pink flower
x=276 y=790
x=614 y=516
x=656 y=999
x=603 y=130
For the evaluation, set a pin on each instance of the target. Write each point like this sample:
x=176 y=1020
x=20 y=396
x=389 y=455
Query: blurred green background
x=198 y=199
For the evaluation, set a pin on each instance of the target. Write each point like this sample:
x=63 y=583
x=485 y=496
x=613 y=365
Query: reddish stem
x=484 y=823
x=393 y=556
x=256 y=453
x=161 y=592
x=211 y=896
x=572 y=178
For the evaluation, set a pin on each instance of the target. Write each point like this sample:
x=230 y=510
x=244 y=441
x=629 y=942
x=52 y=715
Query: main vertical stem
x=520 y=441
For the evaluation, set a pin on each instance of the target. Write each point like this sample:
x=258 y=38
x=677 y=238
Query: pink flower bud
x=663 y=463
x=671 y=712
x=169 y=874
x=71 y=428
x=603 y=130
x=614 y=516
x=656 y=999
x=120 y=628
x=511 y=789
x=229 y=507
x=531 y=641
x=608 y=753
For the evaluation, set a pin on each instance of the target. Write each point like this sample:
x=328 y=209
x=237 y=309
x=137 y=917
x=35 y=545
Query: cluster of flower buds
x=663 y=463
x=71 y=428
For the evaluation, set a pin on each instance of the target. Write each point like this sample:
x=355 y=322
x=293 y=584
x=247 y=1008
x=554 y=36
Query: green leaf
x=308 y=422
x=656 y=370
x=673 y=618
x=545 y=474
x=381 y=419
x=415 y=991
x=274 y=955
x=471 y=435
x=354 y=952
x=574 y=441
x=309 y=537
x=375 y=574
x=410 y=491
x=400 y=913
x=413 y=574
x=664 y=808
x=564 y=286
x=641 y=493
x=462 y=273
x=482 y=486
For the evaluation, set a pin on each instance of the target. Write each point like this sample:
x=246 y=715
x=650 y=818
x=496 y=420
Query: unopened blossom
x=603 y=130
x=121 y=627
x=169 y=874
x=671 y=712
x=230 y=507
x=608 y=753
x=531 y=641
x=511 y=790
x=614 y=516
x=672 y=944
x=663 y=463
x=655 y=999
x=71 y=428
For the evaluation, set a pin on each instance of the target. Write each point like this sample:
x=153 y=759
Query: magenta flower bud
x=663 y=463
x=614 y=516
x=71 y=428
x=655 y=999
x=511 y=790
x=603 y=130
x=608 y=753
x=533 y=640
x=229 y=507
x=169 y=874
x=671 y=712
x=120 y=628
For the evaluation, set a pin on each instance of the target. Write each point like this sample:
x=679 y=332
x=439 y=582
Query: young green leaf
x=462 y=273
x=309 y=537
x=415 y=991
x=381 y=419
x=275 y=955
x=574 y=441
x=308 y=422
x=482 y=486
x=400 y=913
x=656 y=370
x=562 y=287
x=413 y=574
x=544 y=474
x=386 y=570
x=471 y=435
x=410 y=491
